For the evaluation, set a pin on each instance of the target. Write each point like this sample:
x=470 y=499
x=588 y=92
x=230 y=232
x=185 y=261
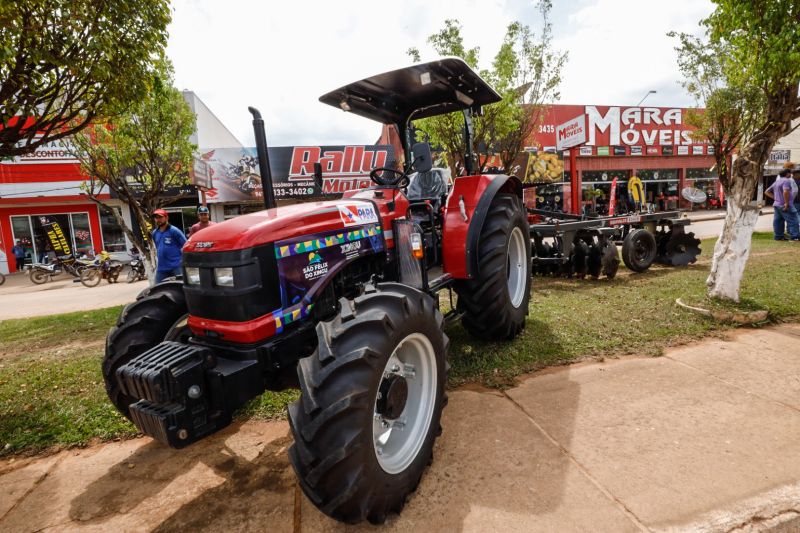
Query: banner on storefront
x=667 y=150
x=697 y=150
x=620 y=150
x=235 y=175
x=683 y=150
x=602 y=150
x=636 y=150
x=57 y=239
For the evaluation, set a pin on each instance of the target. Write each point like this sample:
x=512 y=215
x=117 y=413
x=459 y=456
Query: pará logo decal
x=355 y=214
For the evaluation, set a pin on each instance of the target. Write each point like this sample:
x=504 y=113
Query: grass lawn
x=51 y=390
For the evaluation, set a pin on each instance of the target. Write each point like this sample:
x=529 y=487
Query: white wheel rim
x=517 y=267
x=398 y=442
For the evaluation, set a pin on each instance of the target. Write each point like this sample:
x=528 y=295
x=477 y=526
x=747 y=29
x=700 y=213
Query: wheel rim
x=641 y=250
x=517 y=267
x=397 y=442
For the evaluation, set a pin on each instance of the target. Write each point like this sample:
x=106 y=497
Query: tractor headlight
x=193 y=275
x=223 y=277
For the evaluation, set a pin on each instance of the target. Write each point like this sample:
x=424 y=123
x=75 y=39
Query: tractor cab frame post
x=263 y=158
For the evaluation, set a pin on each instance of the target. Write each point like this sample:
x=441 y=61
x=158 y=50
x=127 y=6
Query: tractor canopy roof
x=419 y=91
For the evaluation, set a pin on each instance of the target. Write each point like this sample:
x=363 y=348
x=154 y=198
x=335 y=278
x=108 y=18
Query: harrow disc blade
x=682 y=249
x=594 y=263
x=579 y=258
x=610 y=259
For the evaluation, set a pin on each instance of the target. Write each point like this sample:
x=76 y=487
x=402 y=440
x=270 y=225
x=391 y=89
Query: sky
x=280 y=57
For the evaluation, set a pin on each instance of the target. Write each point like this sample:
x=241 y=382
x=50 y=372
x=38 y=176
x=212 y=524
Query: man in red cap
x=169 y=242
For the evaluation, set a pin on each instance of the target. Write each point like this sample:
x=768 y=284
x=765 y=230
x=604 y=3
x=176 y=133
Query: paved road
x=701 y=439
x=20 y=298
x=712 y=228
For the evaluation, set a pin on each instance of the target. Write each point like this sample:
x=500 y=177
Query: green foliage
x=740 y=71
x=144 y=150
x=525 y=71
x=65 y=62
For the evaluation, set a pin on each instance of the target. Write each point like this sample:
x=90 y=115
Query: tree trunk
x=733 y=245
x=731 y=251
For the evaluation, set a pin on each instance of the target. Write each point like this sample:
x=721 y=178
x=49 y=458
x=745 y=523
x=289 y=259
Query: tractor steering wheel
x=396 y=178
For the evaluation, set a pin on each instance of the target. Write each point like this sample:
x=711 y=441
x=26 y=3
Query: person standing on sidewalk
x=784 y=211
x=204 y=216
x=19 y=255
x=169 y=242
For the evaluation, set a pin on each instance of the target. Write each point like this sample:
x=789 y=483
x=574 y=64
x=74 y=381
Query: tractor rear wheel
x=158 y=314
x=639 y=250
x=372 y=397
x=495 y=301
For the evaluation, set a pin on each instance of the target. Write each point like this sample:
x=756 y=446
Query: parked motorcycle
x=136 y=271
x=104 y=268
x=43 y=272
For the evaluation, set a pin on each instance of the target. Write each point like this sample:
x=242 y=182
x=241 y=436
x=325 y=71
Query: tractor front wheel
x=372 y=397
x=158 y=314
x=495 y=301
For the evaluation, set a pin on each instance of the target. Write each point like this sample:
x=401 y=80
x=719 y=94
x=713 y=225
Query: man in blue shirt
x=19 y=254
x=169 y=242
x=784 y=212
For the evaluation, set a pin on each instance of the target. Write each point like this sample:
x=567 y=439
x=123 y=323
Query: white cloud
x=280 y=57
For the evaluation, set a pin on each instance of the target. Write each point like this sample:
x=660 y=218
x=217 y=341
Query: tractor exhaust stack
x=263 y=158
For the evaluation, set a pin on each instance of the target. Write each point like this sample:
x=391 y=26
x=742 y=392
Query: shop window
x=113 y=236
x=708 y=182
x=21 y=230
x=81 y=234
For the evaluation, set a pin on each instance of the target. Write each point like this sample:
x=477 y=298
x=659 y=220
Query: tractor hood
x=271 y=225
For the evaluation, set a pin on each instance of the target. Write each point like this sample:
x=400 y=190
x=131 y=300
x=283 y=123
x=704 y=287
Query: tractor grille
x=256 y=289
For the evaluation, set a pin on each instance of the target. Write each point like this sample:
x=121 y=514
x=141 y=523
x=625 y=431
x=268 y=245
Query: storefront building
x=46 y=186
x=651 y=143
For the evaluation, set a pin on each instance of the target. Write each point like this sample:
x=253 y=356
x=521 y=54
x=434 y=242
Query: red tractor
x=341 y=299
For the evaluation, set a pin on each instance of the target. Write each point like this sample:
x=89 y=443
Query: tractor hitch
x=186 y=392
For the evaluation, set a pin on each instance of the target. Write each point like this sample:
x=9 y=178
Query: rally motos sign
x=235 y=175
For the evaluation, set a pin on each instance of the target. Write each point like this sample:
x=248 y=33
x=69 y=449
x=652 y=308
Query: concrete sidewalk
x=705 y=438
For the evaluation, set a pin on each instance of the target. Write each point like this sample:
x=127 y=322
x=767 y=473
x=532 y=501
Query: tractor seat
x=431 y=185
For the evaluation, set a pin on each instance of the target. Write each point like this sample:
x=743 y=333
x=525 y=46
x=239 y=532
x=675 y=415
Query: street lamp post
x=651 y=91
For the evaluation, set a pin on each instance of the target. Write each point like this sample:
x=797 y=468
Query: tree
x=757 y=47
x=525 y=71
x=65 y=62
x=136 y=157
x=729 y=114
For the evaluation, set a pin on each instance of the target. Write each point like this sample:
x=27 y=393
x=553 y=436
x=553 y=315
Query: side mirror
x=422 y=161
x=318 y=176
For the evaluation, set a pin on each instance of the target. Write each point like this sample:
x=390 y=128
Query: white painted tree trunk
x=731 y=251
x=150 y=264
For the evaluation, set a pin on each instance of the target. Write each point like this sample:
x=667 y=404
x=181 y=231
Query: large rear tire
x=158 y=314
x=372 y=398
x=495 y=301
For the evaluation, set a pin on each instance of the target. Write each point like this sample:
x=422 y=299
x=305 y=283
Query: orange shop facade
x=653 y=143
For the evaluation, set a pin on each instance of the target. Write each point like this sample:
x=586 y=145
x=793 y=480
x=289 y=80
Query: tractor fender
x=460 y=236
